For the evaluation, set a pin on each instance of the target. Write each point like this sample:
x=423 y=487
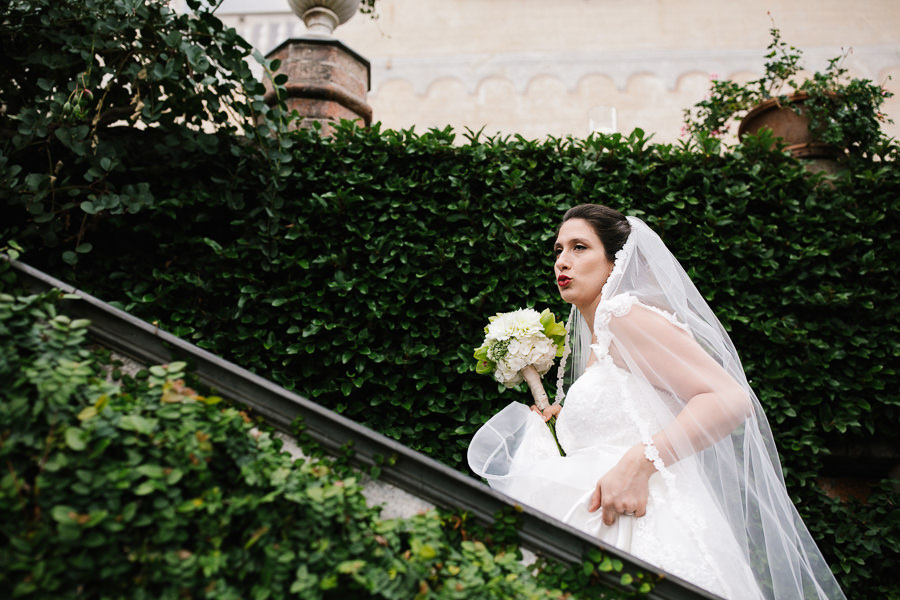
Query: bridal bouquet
x=522 y=345
x=519 y=339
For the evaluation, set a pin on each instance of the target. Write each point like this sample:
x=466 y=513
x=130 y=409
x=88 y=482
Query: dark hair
x=610 y=225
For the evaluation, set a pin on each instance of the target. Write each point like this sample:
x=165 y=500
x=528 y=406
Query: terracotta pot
x=791 y=127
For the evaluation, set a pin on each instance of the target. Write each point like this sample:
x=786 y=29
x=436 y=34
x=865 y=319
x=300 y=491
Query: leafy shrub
x=100 y=97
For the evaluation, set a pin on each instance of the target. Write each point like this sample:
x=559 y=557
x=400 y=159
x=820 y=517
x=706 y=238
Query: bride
x=668 y=455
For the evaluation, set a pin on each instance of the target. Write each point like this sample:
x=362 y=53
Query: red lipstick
x=563 y=280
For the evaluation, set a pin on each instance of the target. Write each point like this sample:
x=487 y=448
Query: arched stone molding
x=265 y=31
x=436 y=87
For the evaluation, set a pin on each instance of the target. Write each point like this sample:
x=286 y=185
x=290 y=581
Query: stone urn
x=322 y=16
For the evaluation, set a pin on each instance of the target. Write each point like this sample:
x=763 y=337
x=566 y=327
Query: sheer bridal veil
x=728 y=431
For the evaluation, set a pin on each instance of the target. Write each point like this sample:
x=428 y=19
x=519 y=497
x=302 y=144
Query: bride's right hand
x=624 y=489
x=549 y=412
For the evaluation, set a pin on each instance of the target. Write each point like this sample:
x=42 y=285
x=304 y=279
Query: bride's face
x=581 y=265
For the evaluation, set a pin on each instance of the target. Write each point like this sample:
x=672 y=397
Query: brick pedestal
x=327 y=81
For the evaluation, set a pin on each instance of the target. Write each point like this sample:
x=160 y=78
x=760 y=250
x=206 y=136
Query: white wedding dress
x=607 y=411
x=659 y=363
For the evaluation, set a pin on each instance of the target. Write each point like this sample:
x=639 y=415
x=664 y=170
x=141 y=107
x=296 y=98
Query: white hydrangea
x=516 y=340
x=515 y=324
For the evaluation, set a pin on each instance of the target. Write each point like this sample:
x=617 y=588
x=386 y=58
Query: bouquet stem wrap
x=531 y=377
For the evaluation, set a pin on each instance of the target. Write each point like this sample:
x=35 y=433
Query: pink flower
x=713 y=76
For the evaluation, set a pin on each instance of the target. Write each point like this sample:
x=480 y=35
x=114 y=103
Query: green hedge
x=360 y=270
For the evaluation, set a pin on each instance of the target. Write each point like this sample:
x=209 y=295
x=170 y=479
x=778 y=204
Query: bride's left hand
x=624 y=489
x=549 y=412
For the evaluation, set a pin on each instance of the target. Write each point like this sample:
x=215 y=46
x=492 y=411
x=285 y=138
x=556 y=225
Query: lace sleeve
x=662 y=351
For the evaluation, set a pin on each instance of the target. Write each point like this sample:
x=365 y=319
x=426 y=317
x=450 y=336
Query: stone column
x=327 y=81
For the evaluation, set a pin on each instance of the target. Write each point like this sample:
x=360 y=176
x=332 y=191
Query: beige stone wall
x=536 y=67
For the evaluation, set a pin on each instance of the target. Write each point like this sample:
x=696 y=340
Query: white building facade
x=541 y=68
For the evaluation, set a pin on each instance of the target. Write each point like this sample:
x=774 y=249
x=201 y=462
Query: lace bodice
x=607 y=405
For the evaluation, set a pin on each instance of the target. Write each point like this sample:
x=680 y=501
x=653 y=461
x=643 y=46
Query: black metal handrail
x=409 y=470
